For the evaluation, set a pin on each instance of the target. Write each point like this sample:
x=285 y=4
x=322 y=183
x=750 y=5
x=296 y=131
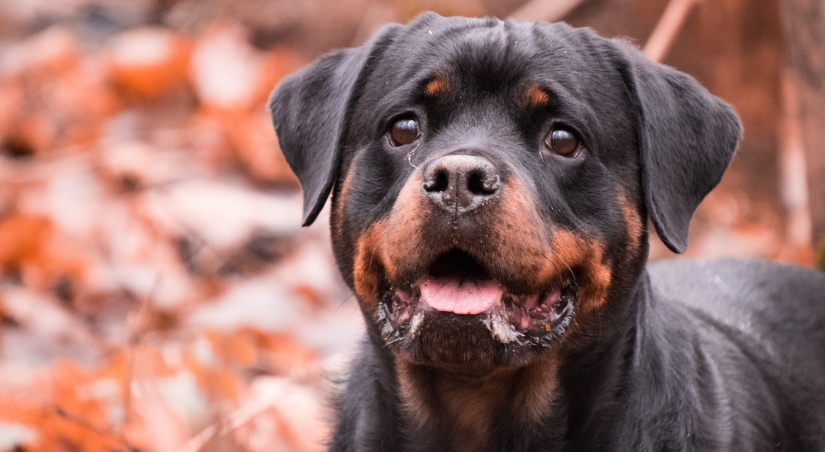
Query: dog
x=492 y=183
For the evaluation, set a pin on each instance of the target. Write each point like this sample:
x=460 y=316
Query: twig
x=84 y=424
x=234 y=420
x=138 y=329
x=669 y=25
x=238 y=418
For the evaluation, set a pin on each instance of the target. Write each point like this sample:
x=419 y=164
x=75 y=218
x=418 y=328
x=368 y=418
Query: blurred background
x=156 y=291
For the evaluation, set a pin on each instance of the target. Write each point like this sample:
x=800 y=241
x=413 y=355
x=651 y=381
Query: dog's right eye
x=404 y=131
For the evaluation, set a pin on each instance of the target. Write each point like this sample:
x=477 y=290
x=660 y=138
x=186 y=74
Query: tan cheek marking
x=336 y=218
x=389 y=242
x=572 y=250
x=368 y=266
x=632 y=223
x=436 y=87
x=537 y=97
x=518 y=235
x=403 y=232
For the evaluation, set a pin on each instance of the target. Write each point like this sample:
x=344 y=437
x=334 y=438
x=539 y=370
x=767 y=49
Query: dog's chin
x=459 y=317
x=455 y=342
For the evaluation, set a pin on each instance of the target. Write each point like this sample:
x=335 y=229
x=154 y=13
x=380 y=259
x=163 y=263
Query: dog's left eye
x=404 y=131
x=563 y=142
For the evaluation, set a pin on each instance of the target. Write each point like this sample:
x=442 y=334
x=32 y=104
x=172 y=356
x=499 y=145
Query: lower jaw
x=505 y=324
x=469 y=344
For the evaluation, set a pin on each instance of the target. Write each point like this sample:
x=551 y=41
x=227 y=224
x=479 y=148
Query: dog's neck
x=465 y=408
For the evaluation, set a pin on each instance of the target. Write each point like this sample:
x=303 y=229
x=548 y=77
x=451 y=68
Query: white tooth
x=499 y=296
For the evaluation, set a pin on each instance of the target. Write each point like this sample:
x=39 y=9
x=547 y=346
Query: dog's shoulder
x=731 y=288
x=774 y=313
x=755 y=331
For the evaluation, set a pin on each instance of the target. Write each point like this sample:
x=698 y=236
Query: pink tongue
x=448 y=294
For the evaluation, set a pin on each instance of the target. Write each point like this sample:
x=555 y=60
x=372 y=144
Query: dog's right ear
x=310 y=110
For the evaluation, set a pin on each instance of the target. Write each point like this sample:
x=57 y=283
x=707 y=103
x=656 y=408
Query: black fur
x=680 y=356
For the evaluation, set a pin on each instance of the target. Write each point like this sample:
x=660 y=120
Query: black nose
x=461 y=183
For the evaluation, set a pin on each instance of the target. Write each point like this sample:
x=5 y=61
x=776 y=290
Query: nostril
x=480 y=182
x=474 y=183
x=438 y=181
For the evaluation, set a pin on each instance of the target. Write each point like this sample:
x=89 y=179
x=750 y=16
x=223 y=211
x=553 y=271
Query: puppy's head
x=492 y=180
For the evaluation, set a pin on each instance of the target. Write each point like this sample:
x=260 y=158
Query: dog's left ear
x=687 y=138
x=310 y=110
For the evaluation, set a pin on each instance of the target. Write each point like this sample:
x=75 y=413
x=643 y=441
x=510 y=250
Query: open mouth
x=459 y=284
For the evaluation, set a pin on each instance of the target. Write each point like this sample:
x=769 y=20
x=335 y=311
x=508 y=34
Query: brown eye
x=404 y=131
x=562 y=142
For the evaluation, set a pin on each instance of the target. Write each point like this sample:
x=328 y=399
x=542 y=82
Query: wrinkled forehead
x=488 y=57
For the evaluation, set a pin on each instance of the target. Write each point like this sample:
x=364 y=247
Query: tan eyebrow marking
x=436 y=87
x=537 y=96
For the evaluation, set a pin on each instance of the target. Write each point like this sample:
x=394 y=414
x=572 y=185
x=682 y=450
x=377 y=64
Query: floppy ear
x=311 y=109
x=687 y=138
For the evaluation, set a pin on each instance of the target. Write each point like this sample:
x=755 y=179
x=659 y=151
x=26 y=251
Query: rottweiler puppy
x=492 y=183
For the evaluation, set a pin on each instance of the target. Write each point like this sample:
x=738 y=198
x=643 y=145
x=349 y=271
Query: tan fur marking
x=389 y=242
x=520 y=237
x=469 y=405
x=412 y=396
x=436 y=87
x=632 y=223
x=537 y=96
x=575 y=251
x=403 y=233
x=518 y=234
x=336 y=218
x=368 y=266
x=466 y=409
x=538 y=389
